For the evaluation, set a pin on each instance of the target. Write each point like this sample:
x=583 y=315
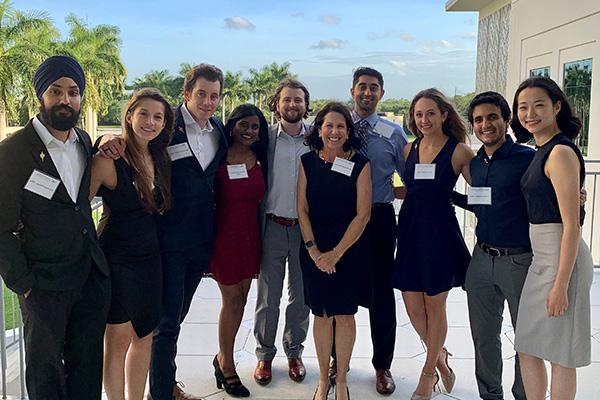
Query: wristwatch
x=309 y=244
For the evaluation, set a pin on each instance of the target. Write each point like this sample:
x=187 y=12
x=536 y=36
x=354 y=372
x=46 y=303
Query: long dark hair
x=452 y=126
x=158 y=152
x=568 y=123
x=262 y=144
x=316 y=143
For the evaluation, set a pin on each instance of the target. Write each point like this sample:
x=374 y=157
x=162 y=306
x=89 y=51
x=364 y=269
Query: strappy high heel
x=326 y=394
x=232 y=384
x=416 y=396
x=449 y=380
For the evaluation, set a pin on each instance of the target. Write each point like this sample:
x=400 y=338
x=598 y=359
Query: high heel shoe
x=448 y=380
x=232 y=384
x=416 y=396
x=326 y=394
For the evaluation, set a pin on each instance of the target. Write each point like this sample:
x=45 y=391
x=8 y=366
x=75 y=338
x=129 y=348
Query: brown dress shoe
x=262 y=373
x=179 y=394
x=385 y=383
x=297 y=371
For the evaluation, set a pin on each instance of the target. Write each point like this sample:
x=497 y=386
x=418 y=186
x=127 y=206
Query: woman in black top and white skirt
x=554 y=311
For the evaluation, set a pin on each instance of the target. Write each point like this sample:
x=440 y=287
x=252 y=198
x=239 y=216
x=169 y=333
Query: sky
x=416 y=44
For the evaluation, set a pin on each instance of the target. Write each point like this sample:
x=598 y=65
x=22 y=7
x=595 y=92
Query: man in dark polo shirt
x=502 y=255
x=49 y=253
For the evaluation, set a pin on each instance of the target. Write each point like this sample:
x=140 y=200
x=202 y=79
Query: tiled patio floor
x=198 y=345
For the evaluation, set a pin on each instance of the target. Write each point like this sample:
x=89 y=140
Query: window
x=543 y=71
x=577 y=85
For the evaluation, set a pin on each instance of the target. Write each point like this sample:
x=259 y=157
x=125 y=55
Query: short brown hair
x=206 y=71
x=292 y=84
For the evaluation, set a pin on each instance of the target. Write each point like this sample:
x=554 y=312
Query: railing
x=12 y=350
x=12 y=361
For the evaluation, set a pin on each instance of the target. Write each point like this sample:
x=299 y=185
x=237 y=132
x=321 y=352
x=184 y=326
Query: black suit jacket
x=189 y=224
x=44 y=243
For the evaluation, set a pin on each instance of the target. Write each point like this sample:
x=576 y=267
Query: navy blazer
x=190 y=223
x=44 y=243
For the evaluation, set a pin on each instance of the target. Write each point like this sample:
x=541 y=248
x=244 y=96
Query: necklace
x=345 y=155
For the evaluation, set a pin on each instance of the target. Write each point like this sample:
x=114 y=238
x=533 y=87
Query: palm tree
x=260 y=83
x=17 y=55
x=98 y=51
x=234 y=89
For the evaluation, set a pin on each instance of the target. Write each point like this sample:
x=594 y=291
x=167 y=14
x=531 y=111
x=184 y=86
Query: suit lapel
x=181 y=136
x=43 y=161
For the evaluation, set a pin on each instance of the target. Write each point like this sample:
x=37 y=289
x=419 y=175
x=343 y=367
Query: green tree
x=98 y=51
x=17 y=55
x=235 y=90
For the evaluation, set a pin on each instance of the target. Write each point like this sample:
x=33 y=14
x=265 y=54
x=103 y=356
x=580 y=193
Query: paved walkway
x=198 y=345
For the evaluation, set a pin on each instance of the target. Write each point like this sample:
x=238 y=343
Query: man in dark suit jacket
x=186 y=231
x=49 y=253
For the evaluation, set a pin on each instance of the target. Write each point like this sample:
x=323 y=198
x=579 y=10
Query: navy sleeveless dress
x=130 y=242
x=431 y=255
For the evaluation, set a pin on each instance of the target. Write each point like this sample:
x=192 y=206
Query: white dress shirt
x=68 y=157
x=204 y=141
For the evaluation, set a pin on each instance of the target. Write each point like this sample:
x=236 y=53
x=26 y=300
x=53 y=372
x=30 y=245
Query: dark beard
x=292 y=119
x=59 y=122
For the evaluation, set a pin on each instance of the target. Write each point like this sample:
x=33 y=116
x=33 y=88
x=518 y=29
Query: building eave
x=467 y=5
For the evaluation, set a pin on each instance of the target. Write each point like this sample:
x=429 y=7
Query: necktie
x=362 y=131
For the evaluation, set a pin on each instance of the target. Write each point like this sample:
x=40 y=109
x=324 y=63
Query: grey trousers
x=490 y=281
x=281 y=244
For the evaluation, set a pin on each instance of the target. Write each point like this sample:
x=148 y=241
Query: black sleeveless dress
x=130 y=242
x=331 y=200
x=431 y=255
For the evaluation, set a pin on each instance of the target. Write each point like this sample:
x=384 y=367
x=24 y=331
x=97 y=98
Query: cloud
x=297 y=15
x=400 y=67
x=329 y=44
x=470 y=21
x=238 y=22
x=468 y=35
x=330 y=20
x=432 y=44
x=390 y=34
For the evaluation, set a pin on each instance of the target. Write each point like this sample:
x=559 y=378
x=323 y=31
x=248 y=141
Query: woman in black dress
x=133 y=189
x=334 y=206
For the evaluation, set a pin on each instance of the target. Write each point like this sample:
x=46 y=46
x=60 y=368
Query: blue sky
x=415 y=44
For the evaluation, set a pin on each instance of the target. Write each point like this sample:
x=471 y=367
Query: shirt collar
x=371 y=119
x=280 y=130
x=189 y=120
x=502 y=152
x=47 y=137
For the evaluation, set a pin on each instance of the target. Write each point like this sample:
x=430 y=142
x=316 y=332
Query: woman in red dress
x=239 y=186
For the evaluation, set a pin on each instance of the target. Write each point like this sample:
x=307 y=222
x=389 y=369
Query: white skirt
x=564 y=340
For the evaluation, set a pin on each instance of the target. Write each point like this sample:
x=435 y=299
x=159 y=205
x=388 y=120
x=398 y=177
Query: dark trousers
x=182 y=272
x=64 y=332
x=490 y=281
x=382 y=313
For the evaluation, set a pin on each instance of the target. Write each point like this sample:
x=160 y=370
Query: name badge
x=237 y=171
x=179 y=151
x=42 y=184
x=480 y=196
x=384 y=129
x=424 y=171
x=342 y=166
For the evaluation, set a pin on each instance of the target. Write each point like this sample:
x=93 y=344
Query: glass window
x=543 y=71
x=577 y=85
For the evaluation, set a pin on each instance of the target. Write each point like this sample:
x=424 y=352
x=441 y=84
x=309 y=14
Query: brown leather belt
x=282 y=220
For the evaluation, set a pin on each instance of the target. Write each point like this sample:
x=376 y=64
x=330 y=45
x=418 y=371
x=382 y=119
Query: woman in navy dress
x=134 y=188
x=431 y=256
x=334 y=206
x=554 y=310
x=239 y=188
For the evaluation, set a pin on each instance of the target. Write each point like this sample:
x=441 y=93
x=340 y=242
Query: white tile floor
x=198 y=345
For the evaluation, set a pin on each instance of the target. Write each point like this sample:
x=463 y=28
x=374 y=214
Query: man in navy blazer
x=49 y=253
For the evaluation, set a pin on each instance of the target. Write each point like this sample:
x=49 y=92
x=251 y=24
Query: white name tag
x=480 y=196
x=342 y=166
x=42 y=184
x=424 y=171
x=384 y=129
x=237 y=171
x=179 y=151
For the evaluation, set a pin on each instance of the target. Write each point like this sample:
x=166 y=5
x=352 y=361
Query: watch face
x=309 y=244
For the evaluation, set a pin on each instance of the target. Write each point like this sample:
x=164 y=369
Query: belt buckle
x=494 y=251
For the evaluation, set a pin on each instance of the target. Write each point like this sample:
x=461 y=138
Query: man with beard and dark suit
x=281 y=237
x=49 y=253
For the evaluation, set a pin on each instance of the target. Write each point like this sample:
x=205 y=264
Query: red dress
x=237 y=249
